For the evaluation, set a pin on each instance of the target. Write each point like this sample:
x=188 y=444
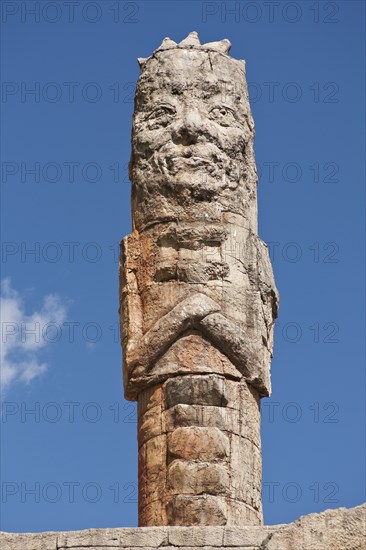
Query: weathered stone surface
x=197 y=537
x=340 y=529
x=198 y=415
x=246 y=465
x=197 y=294
x=197 y=478
x=197 y=510
x=151 y=424
x=114 y=538
x=28 y=541
x=152 y=469
x=149 y=398
x=196 y=390
x=154 y=513
x=193 y=353
x=195 y=443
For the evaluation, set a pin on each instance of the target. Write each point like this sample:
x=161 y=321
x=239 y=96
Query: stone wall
x=341 y=529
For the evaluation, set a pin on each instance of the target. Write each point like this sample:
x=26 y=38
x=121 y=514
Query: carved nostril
x=188 y=137
x=185 y=136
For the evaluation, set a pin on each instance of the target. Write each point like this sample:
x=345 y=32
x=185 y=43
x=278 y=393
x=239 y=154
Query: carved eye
x=223 y=115
x=161 y=116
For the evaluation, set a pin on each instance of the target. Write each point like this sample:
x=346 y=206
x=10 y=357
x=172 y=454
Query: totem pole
x=197 y=294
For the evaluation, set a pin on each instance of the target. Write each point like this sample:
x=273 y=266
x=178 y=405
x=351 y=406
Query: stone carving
x=197 y=294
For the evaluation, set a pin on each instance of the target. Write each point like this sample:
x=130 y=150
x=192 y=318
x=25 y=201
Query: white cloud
x=24 y=335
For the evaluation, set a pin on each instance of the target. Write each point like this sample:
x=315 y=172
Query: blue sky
x=72 y=463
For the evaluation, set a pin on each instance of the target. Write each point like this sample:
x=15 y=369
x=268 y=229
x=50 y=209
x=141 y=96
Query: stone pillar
x=197 y=294
x=199 y=452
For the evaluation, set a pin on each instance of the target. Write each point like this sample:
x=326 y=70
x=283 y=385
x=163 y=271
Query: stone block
x=114 y=538
x=196 y=443
x=200 y=415
x=197 y=478
x=197 y=510
x=195 y=390
x=28 y=541
x=196 y=536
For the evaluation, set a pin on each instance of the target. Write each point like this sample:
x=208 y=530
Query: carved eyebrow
x=164 y=106
x=167 y=106
x=222 y=106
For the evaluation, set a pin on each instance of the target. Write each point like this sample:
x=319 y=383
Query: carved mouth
x=191 y=159
x=191 y=163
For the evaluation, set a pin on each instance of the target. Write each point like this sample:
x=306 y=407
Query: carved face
x=191 y=125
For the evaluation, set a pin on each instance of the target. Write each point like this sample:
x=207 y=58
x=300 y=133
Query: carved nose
x=188 y=131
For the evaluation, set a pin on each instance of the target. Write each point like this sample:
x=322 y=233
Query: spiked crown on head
x=191 y=41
